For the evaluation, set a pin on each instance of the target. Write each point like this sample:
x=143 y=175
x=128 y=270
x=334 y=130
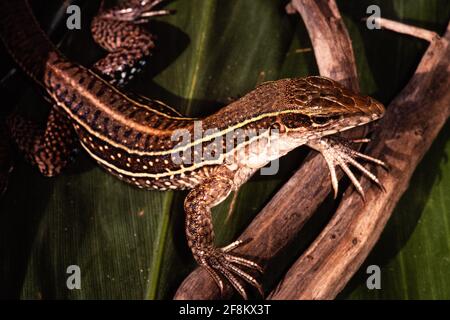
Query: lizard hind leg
x=49 y=149
x=117 y=30
x=219 y=262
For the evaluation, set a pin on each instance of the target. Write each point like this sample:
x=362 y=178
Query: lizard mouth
x=345 y=121
x=374 y=112
x=348 y=123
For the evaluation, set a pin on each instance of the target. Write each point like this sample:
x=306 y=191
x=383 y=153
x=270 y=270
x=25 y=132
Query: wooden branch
x=331 y=42
x=408 y=129
x=279 y=222
x=406 y=29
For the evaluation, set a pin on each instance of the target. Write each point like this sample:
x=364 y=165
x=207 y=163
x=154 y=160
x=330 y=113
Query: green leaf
x=130 y=243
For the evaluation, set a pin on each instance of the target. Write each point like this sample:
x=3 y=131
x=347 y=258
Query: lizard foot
x=338 y=152
x=140 y=13
x=218 y=261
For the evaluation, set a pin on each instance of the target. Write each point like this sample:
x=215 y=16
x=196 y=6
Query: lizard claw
x=137 y=13
x=219 y=262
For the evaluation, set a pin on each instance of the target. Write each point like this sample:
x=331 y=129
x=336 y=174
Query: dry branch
x=331 y=42
x=406 y=29
x=408 y=129
x=280 y=221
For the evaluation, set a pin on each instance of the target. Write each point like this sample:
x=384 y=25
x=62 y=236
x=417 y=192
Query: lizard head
x=321 y=106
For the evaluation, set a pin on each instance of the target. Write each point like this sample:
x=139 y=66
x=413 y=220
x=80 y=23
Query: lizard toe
x=222 y=264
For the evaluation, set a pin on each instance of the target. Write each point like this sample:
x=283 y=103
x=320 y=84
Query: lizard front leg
x=200 y=234
x=338 y=152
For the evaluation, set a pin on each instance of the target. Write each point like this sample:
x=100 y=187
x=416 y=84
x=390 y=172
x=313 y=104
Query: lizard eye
x=323 y=120
x=320 y=120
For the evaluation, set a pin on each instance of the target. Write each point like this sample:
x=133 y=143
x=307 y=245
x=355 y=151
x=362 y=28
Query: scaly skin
x=136 y=139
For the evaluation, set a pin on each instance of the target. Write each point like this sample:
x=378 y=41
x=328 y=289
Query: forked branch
x=412 y=122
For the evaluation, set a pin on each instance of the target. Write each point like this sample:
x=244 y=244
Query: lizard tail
x=24 y=38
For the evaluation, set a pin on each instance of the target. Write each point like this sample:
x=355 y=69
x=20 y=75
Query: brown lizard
x=150 y=145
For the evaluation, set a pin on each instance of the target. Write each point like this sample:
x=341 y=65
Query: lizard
x=143 y=141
